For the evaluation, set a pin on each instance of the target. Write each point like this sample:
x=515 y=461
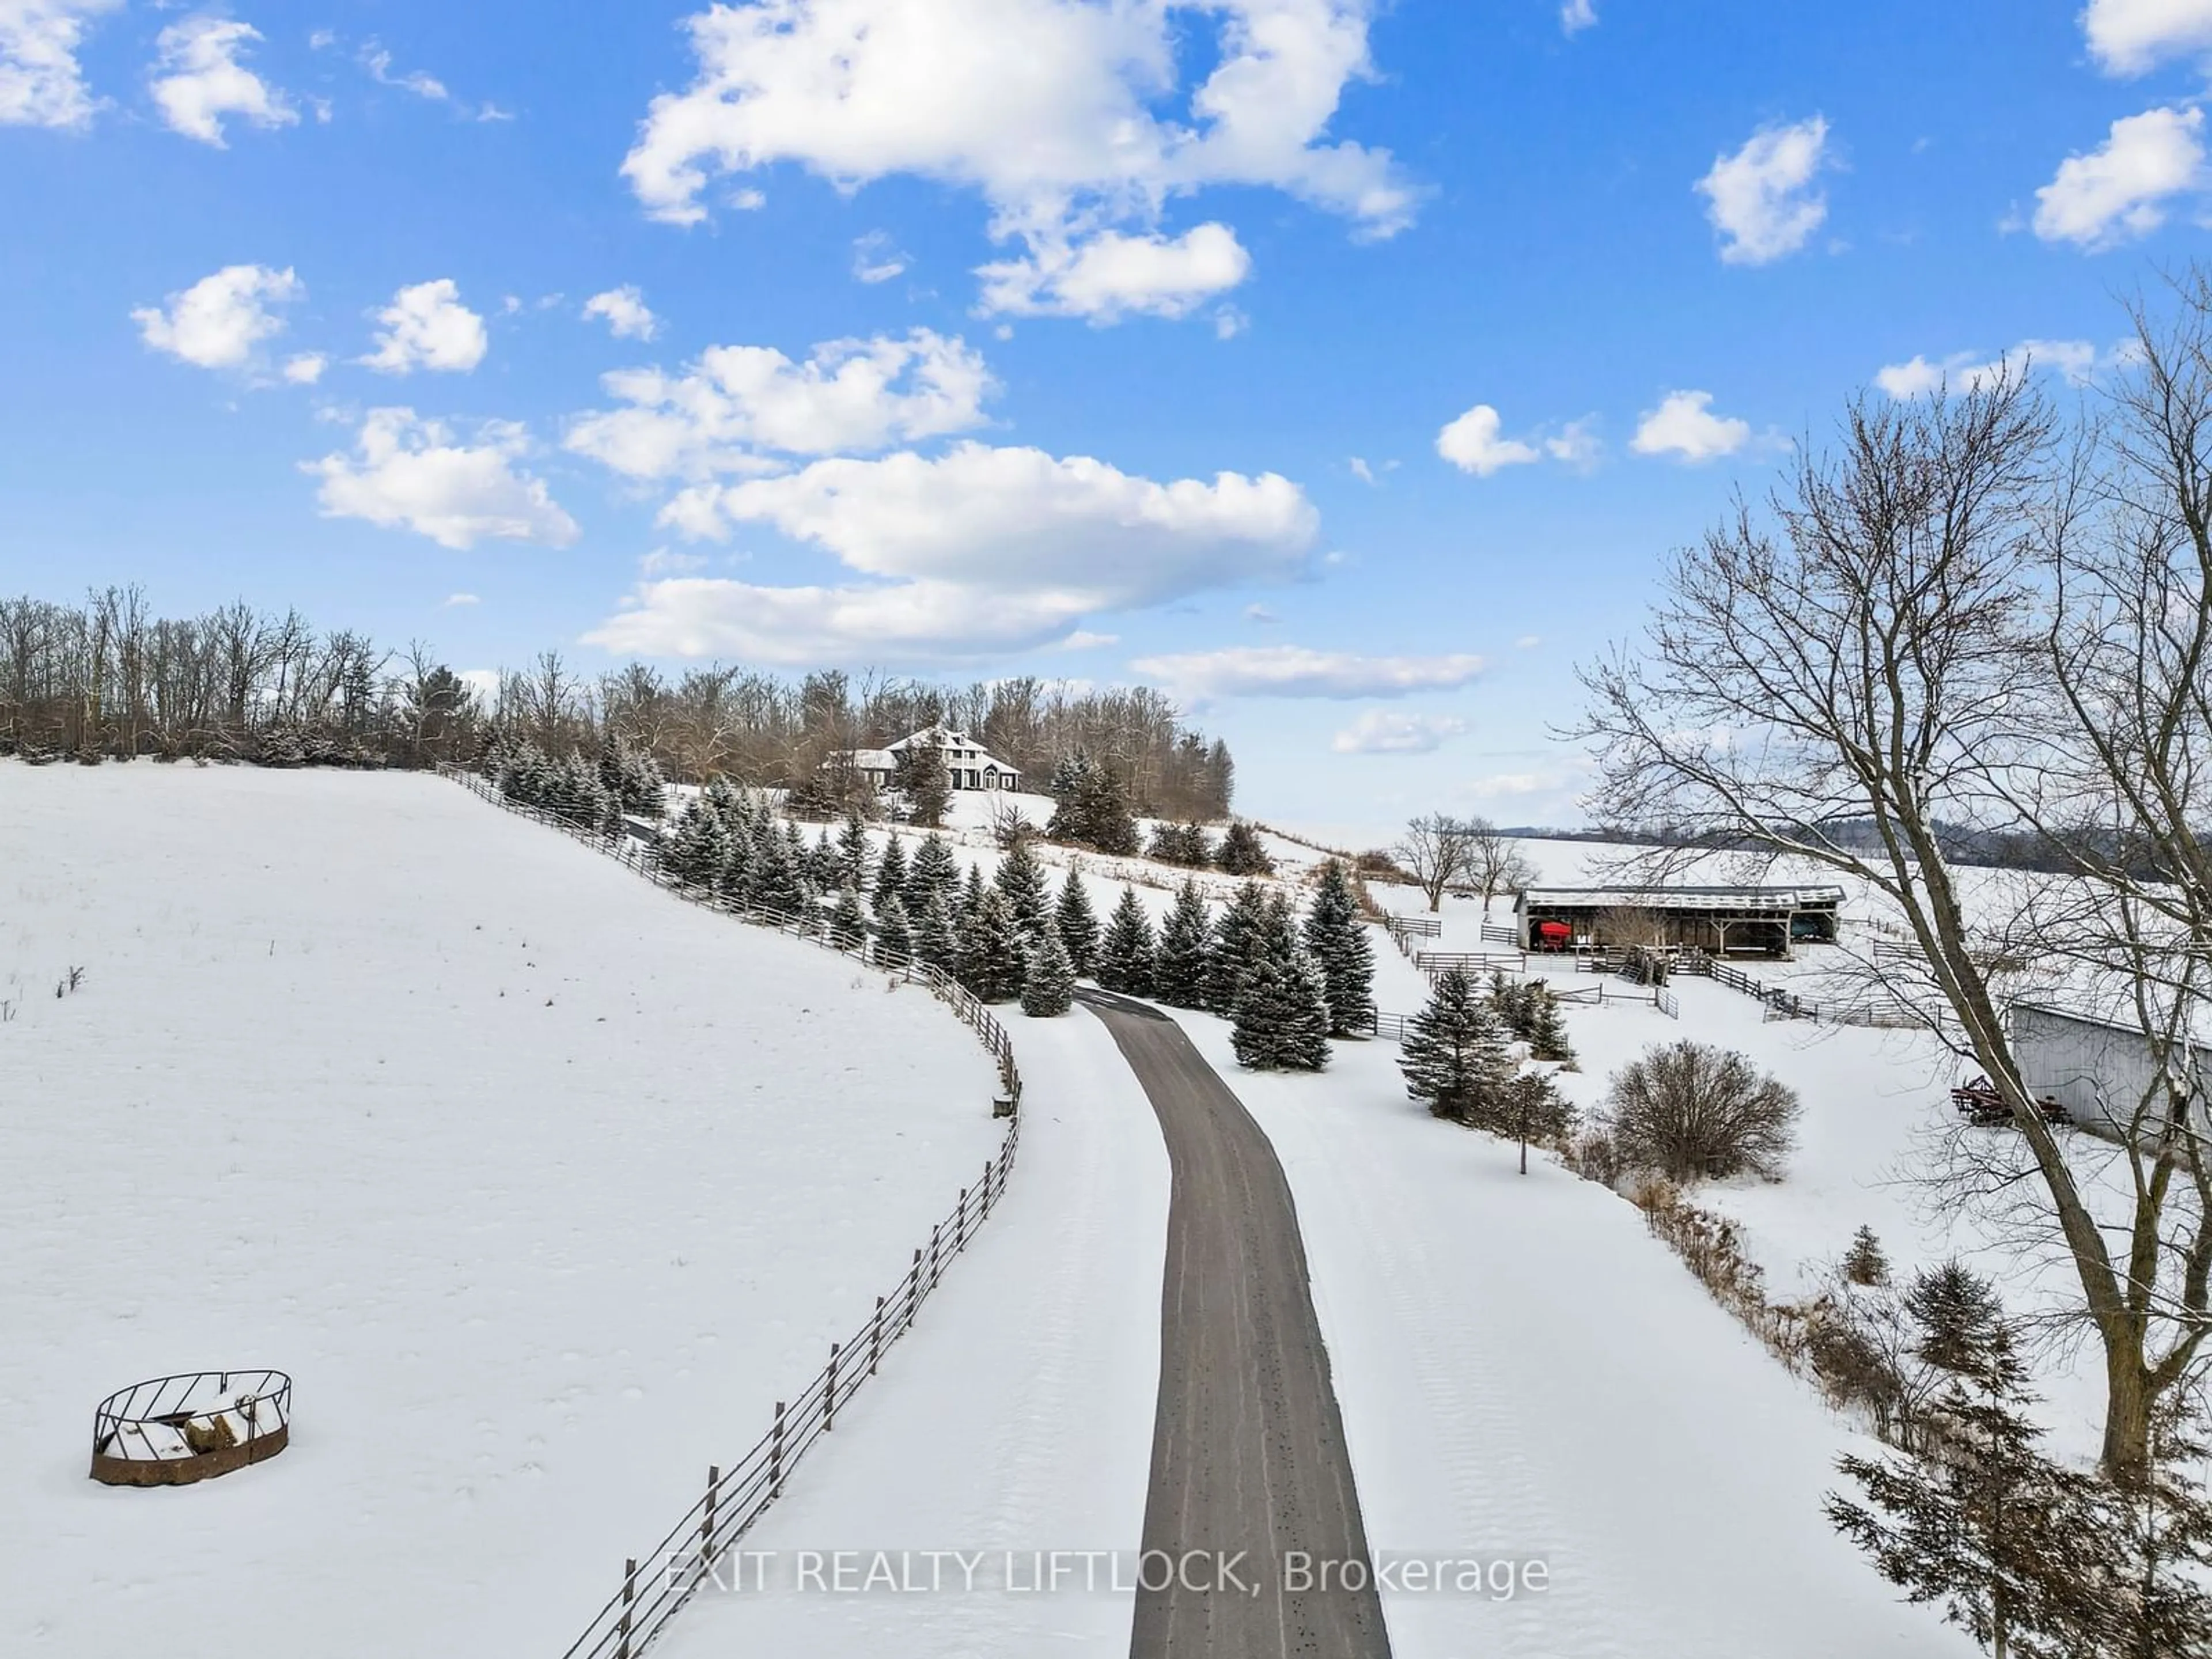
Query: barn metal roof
x=1683 y=898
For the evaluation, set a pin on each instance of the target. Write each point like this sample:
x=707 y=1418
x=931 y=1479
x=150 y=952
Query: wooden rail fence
x=655 y=1585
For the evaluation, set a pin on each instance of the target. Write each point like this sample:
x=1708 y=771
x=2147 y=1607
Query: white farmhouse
x=969 y=765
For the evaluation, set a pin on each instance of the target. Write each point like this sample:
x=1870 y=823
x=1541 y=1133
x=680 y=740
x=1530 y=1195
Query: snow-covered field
x=1524 y=1373
x=1876 y=1113
x=542 y=1184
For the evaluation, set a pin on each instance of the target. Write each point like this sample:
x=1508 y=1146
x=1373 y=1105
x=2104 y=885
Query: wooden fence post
x=876 y=1337
x=829 y=1393
x=934 y=1270
x=629 y=1595
x=987 y=1189
x=960 y=1224
x=775 y=1453
x=913 y=1289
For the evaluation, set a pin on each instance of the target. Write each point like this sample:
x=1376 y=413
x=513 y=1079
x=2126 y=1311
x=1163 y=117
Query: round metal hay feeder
x=194 y=1426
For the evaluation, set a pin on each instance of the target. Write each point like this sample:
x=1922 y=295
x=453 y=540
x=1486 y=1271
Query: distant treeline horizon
x=108 y=679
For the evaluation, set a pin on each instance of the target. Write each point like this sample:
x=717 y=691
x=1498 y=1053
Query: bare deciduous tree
x=1912 y=641
x=1435 y=851
x=1495 y=863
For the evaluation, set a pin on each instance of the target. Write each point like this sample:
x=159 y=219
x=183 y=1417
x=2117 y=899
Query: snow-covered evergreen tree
x=1048 y=978
x=971 y=893
x=1182 y=969
x=1337 y=940
x=1454 y=1056
x=936 y=939
x=848 y=920
x=852 y=852
x=991 y=948
x=892 y=873
x=1236 y=945
x=1281 y=1014
x=894 y=933
x=1021 y=879
x=825 y=865
x=1124 y=956
x=778 y=883
x=1241 y=852
x=935 y=872
x=1077 y=924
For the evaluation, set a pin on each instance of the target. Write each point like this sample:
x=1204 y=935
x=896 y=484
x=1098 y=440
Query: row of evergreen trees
x=1457 y=1057
x=1288 y=986
x=597 y=794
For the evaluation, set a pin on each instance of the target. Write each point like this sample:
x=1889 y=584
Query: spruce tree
x=1243 y=854
x=778 y=883
x=853 y=853
x=922 y=776
x=1337 y=940
x=991 y=946
x=894 y=933
x=1021 y=879
x=1238 y=940
x=935 y=872
x=2009 y=1542
x=1282 y=1013
x=1048 y=978
x=1864 y=1264
x=1182 y=970
x=936 y=939
x=891 y=875
x=1077 y=924
x=848 y=920
x=825 y=865
x=1547 y=1026
x=1125 y=957
x=971 y=893
x=684 y=853
x=1453 y=1054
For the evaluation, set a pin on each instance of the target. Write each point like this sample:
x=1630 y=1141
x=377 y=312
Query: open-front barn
x=1725 y=921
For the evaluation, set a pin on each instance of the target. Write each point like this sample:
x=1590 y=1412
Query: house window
x=971 y=778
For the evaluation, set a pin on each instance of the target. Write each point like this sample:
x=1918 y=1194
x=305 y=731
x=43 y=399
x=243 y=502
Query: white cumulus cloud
x=41 y=83
x=1383 y=731
x=1112 y=276
x=624 y=312
x=2128 y=37
x=410 y=473
x=2075 y=361
x=200 y=80
x=1685 y=426
x=980 y=551
x=2118 y=191
x=1472 y=443
x=1070 y=118
x=305 y=367
x=427 y=327
x=1298 y=671
x=736 y=404
x=1575 y=15
x=221 y=321
x=876 y=258
x=1763 y=199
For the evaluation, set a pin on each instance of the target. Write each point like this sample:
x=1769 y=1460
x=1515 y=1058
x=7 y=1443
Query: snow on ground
x=542 y=1185
x=1876 y=1110
x=1526 y=1374
x=1017 y=1417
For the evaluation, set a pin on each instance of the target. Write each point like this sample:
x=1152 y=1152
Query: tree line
x=109 y=679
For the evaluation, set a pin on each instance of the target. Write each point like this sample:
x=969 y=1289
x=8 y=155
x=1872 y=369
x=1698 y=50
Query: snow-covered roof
x=949 y=740
x=1683 y=898
x=874 y=760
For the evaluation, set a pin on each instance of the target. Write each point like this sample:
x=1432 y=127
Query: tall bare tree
x=1495 y=862
x=1883 y=646
x=1437 y=850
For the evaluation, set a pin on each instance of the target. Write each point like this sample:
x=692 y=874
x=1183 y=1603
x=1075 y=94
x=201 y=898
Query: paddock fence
x=656 y=1584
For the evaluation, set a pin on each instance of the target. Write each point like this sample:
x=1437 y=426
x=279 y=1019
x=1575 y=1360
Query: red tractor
x=1552 y=936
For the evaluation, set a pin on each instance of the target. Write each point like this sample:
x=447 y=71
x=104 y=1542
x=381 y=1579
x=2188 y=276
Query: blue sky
x=1349 y=367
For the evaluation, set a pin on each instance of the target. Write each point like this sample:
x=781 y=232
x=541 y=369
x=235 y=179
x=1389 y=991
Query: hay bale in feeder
x=208 y=1434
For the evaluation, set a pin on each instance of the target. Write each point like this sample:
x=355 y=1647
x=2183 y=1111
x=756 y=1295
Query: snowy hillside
x=542 y=1184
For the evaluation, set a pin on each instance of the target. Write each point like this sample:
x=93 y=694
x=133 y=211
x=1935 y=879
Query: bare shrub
x=1693 y=1112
